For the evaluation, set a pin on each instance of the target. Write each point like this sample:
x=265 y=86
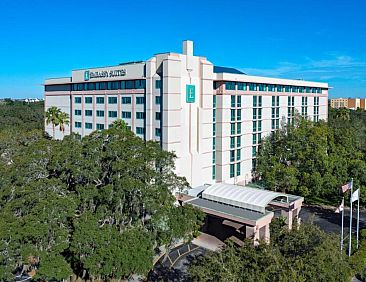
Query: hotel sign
x=103 y=74
x=190 y=93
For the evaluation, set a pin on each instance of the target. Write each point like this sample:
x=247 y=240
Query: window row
x=232 y=170
x=113 y=114
x=113 y=100
x=109 y=85
x=231 y=85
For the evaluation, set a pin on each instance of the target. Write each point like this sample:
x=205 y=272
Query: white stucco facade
x=213 y=118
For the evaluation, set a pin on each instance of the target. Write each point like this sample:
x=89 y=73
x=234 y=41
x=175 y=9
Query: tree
x=306 y=254
x=99 y=210
x=63 y=120
x=52 y=117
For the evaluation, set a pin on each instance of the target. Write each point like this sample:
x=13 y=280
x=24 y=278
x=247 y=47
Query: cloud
x=336 y=67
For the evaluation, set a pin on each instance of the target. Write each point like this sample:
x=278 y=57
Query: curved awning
x=239 y=196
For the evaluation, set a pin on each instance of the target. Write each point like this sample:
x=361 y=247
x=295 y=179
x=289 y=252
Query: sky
x=318 y=40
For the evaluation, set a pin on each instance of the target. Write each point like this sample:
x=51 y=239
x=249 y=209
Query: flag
x=340 y=208
x=355 y=195
x=346 y=187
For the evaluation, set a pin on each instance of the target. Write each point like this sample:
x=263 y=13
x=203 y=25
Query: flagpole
x=350 y=222
x=342 y=225
x=358 y=218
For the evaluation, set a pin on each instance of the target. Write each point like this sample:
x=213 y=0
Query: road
x=176 y=266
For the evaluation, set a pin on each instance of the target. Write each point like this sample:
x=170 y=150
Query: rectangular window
x=123 y=84
x=232 y=142
x=277 y=112
x=88 y=125
x=254 y=113
x=158 y=131
x=287 y=88
x=77 y=100
x=100 y=100
x=140 y=100
x=279 y=88
x=259 y=125
x=78 y=112
x=319 y=91
x=88 y=100
x=140 y=130
x=213 y=157
x=238 y=154
x=158 y=116
x=140 y=115
x=112 y=114
x=102 y=86
x=307 y=89
x=100 y=126
x=232 y=114
x=214 y=129
x=294 y=89
x=77 y=124
x=214 y=115
x=273 y=101
x=238 y=128
x=254 y=139
x=112 y=100
x=238 y=101
x=254 y=101
x=242 y=86
x=259 y=101
x=100 y=113
x=238 y=172
x=157 y=84
x=271 y=87
x=238 y=141
x=130 y=84
x=126 y=114
x=259 y=113
x=88 y=113
x=232 y=155
x=157 y=100
x=302 y=89
x=229 y=85
x=213 y=172
x=254 y=126
x=273 y=113
x=254 y=151
x=140 y=84
x=232 y=101
x=126 y=100
x=238 y=115
x=259 y=137
x=262 y=87
x=115 y=85
x=232 y=172
x=213 y=143
x=214 y=101
x=273 y=125
x=252 y=87
x=232 y=128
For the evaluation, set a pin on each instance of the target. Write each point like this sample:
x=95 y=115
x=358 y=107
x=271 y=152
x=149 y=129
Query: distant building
x=213 y=118
x=349 y=103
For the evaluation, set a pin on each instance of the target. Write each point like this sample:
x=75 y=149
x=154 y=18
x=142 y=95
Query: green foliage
x=97 y=207
x=314 y=159
x=21 y=115
x=306 y=254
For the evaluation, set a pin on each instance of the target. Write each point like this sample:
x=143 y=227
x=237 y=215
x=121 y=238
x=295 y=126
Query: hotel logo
x=86 y=75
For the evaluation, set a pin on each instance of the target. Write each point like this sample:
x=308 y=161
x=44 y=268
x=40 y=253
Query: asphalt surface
x=175 y=268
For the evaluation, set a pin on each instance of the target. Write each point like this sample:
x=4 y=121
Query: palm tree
x=52 y=116
x=63 y=119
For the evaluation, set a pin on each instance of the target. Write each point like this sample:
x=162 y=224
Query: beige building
x=349 y=103
x=212 y=117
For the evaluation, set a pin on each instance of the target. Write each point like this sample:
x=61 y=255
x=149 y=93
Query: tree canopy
x=306 y=254
x=98 y=207
x=314 y=159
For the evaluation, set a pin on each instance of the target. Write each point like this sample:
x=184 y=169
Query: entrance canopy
x=243 y=197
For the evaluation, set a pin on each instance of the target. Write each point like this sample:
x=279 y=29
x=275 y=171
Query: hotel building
x=212 y=117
